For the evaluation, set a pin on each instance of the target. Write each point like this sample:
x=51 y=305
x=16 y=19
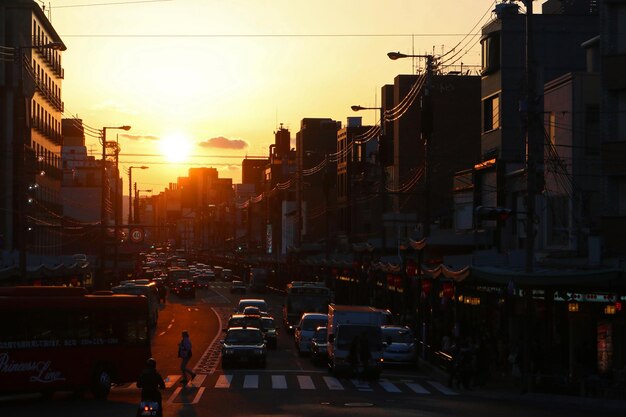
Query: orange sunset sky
x=207 y=82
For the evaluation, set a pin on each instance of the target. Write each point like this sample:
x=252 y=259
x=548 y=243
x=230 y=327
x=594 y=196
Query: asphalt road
x=289 y=386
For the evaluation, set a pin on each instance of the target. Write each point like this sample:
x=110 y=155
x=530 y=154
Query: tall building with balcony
x=501 y=178
x=30 y=142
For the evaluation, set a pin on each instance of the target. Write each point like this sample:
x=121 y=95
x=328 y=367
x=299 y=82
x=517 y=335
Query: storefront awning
x=595 y=280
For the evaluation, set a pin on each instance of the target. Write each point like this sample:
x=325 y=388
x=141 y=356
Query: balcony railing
x=49 y=55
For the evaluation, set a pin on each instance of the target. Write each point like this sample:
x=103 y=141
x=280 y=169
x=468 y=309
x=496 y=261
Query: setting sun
x=175 y=148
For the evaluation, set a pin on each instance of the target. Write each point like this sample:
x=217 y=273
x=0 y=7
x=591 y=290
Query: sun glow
x=175 y=148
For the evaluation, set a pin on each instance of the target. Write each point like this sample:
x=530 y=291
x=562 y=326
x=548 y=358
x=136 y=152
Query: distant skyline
x=207 y=82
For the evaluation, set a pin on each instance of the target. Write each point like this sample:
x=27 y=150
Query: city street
x=289 y=386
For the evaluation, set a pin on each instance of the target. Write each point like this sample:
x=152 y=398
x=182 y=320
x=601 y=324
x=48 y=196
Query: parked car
x=238 y=286
x=399 y=345
x=244 y=345
x=270 y=331
x=319 y=355
x=309 y=322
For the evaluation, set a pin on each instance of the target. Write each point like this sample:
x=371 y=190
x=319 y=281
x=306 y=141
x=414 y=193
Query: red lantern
x=448 y=290
x=426 y=286
x=398 y=282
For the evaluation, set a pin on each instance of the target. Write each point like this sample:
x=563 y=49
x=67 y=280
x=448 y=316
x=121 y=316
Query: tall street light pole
x=130 y=192
x=103 y=205
x=427 y=119
x=381 y=135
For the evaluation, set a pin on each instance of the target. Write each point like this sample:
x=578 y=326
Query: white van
x=309 y=322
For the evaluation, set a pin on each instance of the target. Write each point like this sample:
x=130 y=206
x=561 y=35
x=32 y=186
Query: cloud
x=139 y=137
x=223 y=143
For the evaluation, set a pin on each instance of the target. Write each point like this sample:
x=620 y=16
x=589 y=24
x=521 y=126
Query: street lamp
x=137 y=203
x=103 y=196
x=427 y=121
x=130 y=192
x=380 y=109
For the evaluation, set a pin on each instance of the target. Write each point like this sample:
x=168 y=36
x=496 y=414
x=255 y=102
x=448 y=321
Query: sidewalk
x=507 y=388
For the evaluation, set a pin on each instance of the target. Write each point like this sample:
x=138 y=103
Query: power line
x=119 y=3
x=264 y=35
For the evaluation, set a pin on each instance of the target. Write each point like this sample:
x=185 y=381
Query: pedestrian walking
x=185 y=353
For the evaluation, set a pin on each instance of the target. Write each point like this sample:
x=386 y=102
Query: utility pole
x=427 y=128
x=533 y=127
x=103 y=216
x=534 y=131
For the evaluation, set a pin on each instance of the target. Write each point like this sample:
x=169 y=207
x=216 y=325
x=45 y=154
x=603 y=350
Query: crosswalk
x=305 y=382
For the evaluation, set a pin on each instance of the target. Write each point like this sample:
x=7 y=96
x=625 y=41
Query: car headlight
x=228 y=351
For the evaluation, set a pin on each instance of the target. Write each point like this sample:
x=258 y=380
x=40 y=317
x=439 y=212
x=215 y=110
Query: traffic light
x=492 y=213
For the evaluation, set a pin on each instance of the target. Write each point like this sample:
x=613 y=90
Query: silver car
x=399 y=345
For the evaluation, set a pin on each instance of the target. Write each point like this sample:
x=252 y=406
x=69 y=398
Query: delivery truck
x=354 y=333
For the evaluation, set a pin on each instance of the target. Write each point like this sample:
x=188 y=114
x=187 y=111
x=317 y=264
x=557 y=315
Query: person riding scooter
x=150 y=381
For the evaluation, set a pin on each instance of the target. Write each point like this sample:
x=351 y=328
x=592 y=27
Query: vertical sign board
x=605 y=347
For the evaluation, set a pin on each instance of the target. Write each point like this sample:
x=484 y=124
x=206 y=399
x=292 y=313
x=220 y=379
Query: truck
x=304 y=297
x=346 y=325
x=258 y=280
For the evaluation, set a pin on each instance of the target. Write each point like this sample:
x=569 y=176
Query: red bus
x=58 y=338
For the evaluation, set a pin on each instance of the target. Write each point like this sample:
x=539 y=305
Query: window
x=491 y=53
x=491 y=113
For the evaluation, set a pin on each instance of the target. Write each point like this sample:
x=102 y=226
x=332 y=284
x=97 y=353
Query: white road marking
x=174 y=395
x=333 y=383
x=442 y=388
x=388 y=386
x=199 y=380
x=251 y=381
x=171 y=380
x=224 y=381
x=361 y=385
x=417 y=388
x=279 y=382
x=198 y=395
x=306 y=382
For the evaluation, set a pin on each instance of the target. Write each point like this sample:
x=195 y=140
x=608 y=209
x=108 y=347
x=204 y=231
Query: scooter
x=149 y=408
